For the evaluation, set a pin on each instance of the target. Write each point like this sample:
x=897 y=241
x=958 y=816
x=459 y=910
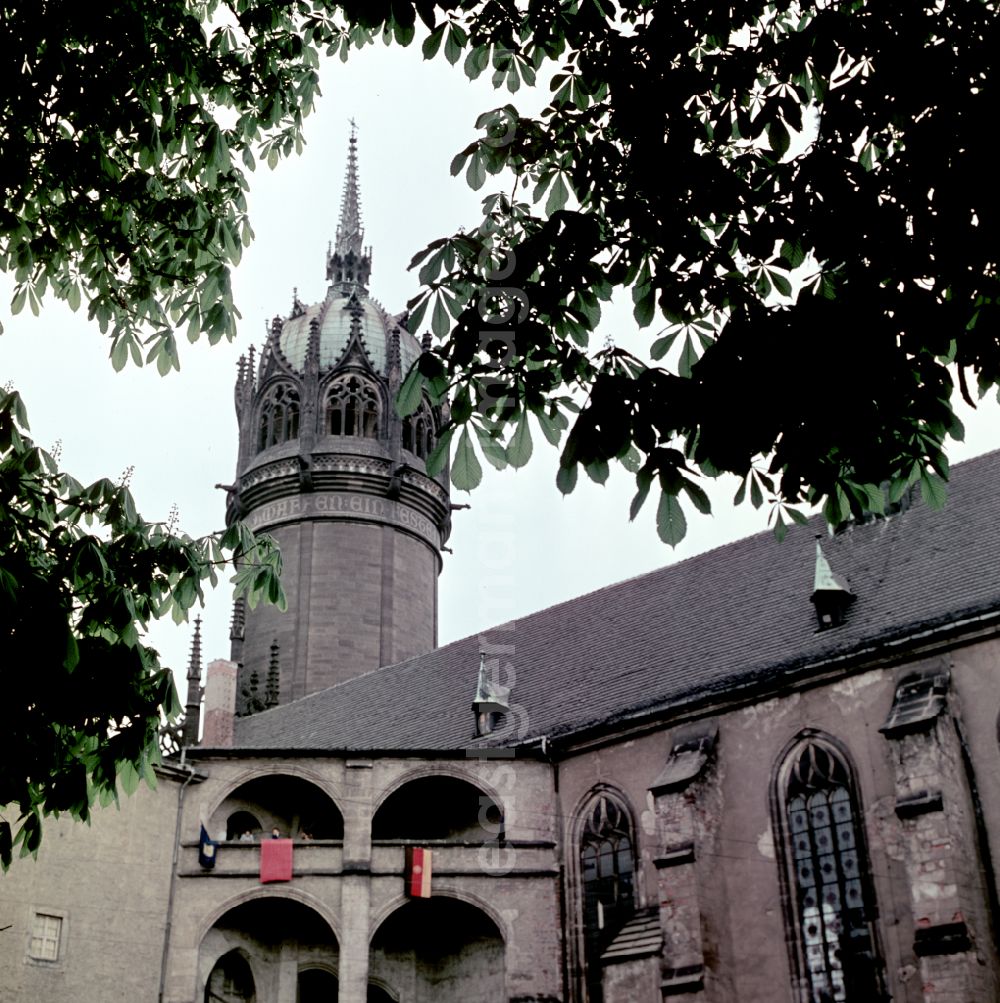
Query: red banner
x=275 y=860
x=418 y=872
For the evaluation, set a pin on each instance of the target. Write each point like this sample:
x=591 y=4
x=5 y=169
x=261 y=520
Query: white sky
x=522 y=546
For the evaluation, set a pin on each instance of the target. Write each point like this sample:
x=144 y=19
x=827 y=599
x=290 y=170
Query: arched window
x=831 y=901
x=607 y=875
x=279 y=417
x=231 y=981
x=352 y=407
x=243 y=825
x=418 y=432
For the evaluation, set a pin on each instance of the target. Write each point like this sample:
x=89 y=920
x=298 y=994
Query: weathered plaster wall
x=110 y=882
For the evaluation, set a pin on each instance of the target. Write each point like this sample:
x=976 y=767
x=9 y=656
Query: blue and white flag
x=206 y=849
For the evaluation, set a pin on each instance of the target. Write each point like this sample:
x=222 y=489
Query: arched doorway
x=439 y=950
x=249 y=946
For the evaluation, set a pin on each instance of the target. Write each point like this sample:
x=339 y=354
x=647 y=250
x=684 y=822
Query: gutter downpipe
x=173 y=876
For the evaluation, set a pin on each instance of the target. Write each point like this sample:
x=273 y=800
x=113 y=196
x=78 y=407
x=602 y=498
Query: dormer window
x=279 y=417
x=353 y=407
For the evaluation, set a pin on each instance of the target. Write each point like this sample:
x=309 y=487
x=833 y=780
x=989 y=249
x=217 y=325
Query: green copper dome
x=336 y=314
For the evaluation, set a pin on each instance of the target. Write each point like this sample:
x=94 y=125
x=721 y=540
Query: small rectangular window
x=46 y=933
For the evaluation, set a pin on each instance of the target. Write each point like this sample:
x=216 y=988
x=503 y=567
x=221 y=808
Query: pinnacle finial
x=194 y=663
x=349 y=231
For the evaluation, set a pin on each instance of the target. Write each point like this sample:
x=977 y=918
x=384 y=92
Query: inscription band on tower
x=344 y=505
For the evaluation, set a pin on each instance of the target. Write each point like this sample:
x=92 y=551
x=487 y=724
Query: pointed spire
x=349 y=262
x=194 y=663
x=192 y=706
x=349 y=231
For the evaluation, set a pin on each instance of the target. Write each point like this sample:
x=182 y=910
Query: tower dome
x=329 y=469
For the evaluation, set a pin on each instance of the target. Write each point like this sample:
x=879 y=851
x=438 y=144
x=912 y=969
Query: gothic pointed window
x=279 y=417
x=607 y=878
x=418 y=432
x=352 y=407
x=831 y=900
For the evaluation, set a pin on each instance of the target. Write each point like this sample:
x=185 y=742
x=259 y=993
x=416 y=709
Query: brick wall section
x=688 y=825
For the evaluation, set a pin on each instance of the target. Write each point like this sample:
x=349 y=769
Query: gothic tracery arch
x=279 y=416
x=607 y=879
x=353 y=407
x=830 y=902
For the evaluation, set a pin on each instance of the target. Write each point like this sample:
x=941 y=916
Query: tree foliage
x=796 y=197
x=81 y=577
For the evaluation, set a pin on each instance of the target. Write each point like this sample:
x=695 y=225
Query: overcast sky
x=521 y=546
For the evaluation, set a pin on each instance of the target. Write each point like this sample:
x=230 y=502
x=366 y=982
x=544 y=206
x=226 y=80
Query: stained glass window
x=833 y=900
x=607 y=870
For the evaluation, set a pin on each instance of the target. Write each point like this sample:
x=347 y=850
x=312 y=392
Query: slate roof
x=735 y=616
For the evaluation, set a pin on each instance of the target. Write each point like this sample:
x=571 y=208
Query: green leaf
x=552 y=427
x=558 y=195
x=689 y=356
x=475 y=175
x=566 y=479
x=698 y=497
x=453 y=45
x=411 y=393
x=781 y=283
x=597 y=470
x=671 y=525
x=520 y=447
x=645 y=307
x=492 y=449
x=756 y=496
x=439 y=454
x=933 y=490
x=440 y=322
x=433 y=42
x=639 y=500
x=661 y=346
x=741 y=491
x=466 y=470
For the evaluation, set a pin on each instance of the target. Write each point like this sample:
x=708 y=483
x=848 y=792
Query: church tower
x=329 y=469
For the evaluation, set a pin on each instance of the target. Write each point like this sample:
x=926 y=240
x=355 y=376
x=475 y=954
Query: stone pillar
x=288 y=974
x=686 y=802
x=355 y=885
x=952 y=941
x=220 y=704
